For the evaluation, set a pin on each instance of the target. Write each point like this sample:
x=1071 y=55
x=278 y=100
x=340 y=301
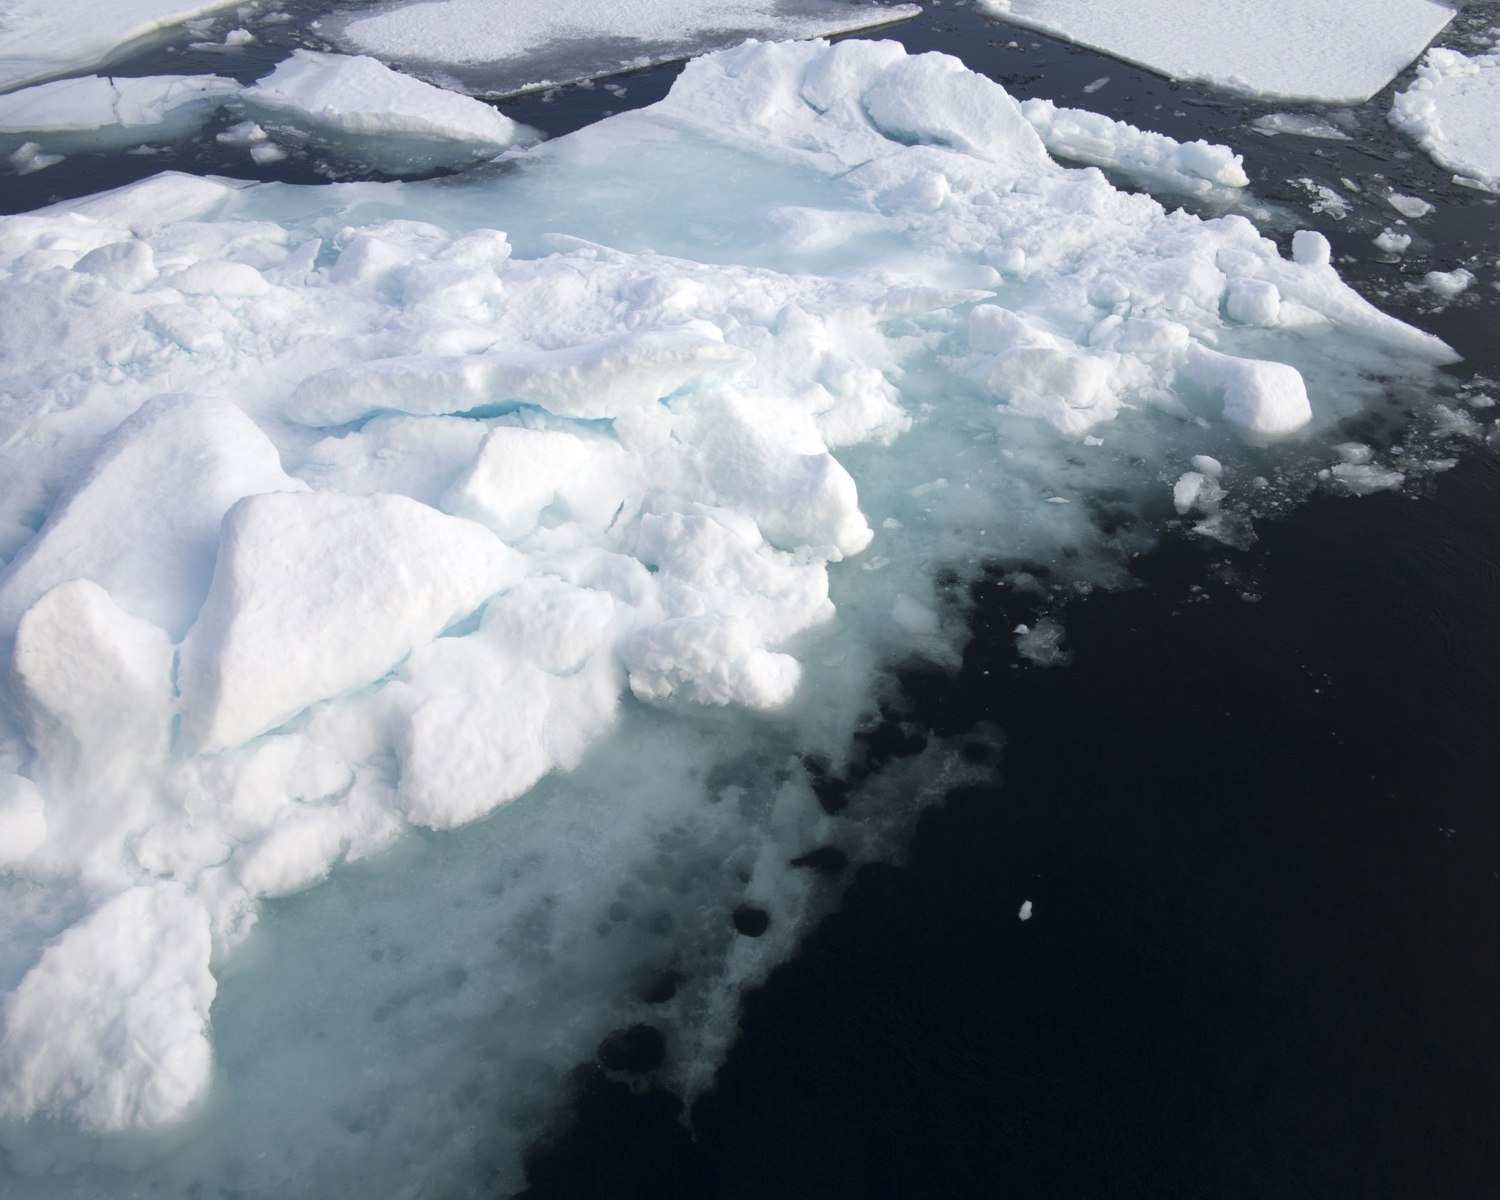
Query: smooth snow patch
x=562 y=41
x=1277 y=49
x=1452 y=110
x=40 y=39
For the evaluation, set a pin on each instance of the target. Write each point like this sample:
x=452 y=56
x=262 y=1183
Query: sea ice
x=337 y=511
x=40 y=39
x=1452 y=110
x=97 y=113
x=1155 y=160
x=363 y=110
x=1277 y=49
x=563 y=41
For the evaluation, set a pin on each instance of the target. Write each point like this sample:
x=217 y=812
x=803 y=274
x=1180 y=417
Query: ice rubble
x=563 y=41
x=363 y=109
x=1452 y=110
x=336 y=511
x=1278 y=49
x=40 y=39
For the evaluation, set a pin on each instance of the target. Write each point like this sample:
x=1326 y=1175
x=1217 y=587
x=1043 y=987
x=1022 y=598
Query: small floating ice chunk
x=1025 y=912
x=362 y=107
x=1448 y=284
x=1413 y=208
x=1298 y=125
x=1041 y=643
x=1208 y=465
x=1194 y=490
x=1452 y=110
x=1284 y=49
x=29 y=157
x=1391 y=241
x=1363 y=479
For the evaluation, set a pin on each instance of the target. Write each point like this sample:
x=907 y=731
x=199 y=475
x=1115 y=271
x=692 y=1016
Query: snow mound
x=40 y=39
x=1276 y=49
x=1452 y=110
x=333 y=512
x=359 y=107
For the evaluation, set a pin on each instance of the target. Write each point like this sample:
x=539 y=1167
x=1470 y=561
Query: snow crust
x=358 y=105
x=339 y=511
x=540 y=45
x=1452 y=110
x=1276 y=49
x=40 y=39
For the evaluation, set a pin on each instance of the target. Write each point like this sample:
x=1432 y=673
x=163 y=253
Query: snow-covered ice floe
x=1452 y=110
x=461 y=43
x=97 y=113
x=1277 y=49
x=562 y=494
x=362 y=110
x=40 y=39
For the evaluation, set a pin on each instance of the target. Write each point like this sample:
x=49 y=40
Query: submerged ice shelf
x=1277 y=49
x=342 y=515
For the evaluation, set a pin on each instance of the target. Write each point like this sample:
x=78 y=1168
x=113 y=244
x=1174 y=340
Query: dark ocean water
x=1256 y=816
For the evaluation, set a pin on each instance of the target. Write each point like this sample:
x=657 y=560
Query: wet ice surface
x=912 y=501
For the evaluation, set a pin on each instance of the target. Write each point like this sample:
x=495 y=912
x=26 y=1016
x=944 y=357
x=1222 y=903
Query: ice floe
x=1452 y=110
x=1278 y=49
x=40 y=39
x=539 y=45
x=339 y=511
x=362 y=110
x=93 y=112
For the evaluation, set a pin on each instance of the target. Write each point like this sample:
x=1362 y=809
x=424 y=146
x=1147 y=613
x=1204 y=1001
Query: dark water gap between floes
x=1254 y=818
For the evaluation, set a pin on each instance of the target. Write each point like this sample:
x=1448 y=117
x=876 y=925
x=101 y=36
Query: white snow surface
x=337 y=511
x=40 y=39
x=1452 y=110
x=100 y=113
x=340 y=99
x=1161 y=163
x=1276 y=49
x=538 y=45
